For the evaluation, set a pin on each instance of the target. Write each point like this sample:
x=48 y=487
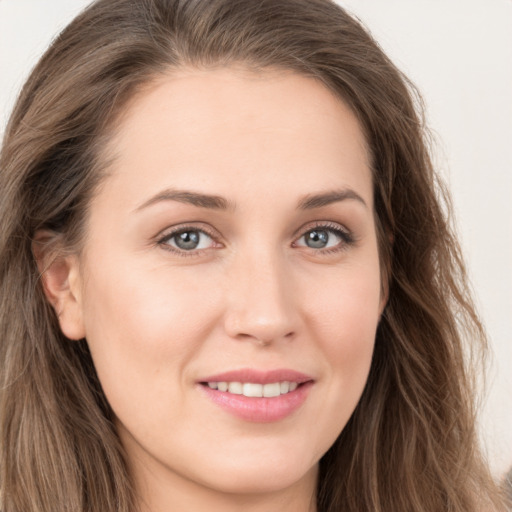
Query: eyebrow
x=200 y=200
x=214 y=202
x=312 y=201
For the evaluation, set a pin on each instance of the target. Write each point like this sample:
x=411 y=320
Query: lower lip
x=259 y=410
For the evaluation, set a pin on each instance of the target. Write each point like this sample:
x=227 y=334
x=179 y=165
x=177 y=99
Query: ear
x=383 y=302
x=61 y=280
x=384 y=293
x=385 y=240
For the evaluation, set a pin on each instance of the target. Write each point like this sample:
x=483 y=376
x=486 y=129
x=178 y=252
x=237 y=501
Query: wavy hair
x=411 y=443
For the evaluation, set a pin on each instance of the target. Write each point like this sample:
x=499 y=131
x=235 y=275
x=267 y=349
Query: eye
x=324 y=237
x=187 y=239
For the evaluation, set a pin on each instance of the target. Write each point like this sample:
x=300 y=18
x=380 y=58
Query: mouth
x=254 y=389
x=258 y=396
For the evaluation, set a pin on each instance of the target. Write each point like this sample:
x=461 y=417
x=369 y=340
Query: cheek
x=147 y=306
x=347 y=309
x=346 y=316
x=137 y=323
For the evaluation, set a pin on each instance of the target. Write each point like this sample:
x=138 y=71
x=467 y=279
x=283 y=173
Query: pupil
x=317 y=239
x=187 y=240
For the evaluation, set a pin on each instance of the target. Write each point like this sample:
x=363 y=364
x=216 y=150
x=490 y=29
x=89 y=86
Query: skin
x=254 y=294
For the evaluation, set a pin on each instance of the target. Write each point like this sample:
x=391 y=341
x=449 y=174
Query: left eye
x=321 y=238
x=188 y=240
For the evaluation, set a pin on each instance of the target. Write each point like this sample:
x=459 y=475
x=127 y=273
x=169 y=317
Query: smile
x=258 y=396
x=255 y=390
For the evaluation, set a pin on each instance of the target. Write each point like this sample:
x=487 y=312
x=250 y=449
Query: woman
x=228 y=281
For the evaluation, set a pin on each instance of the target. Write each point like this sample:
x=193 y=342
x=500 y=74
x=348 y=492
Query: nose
x=261 y=302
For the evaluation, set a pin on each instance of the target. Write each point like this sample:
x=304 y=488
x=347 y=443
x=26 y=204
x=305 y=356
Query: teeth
x=235 y=388
x=271 y=390
x=251 y=389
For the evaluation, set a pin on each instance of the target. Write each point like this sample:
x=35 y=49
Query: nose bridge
x=261 y=304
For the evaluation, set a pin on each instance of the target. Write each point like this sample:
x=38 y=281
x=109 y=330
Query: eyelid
x=341 y=231
x=317 y=224
x=168 y=233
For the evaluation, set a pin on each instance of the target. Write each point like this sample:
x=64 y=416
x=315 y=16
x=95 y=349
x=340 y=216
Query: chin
x=269 y=476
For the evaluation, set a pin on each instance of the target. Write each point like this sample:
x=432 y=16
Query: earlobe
x=60 y=278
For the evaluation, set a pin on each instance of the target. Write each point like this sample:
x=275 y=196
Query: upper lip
x=259 y=376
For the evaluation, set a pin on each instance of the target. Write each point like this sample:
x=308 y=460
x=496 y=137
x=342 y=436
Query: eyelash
x=346 y=236
x=163 y=241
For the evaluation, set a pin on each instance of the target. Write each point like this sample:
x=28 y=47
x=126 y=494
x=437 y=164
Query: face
x=232 y=249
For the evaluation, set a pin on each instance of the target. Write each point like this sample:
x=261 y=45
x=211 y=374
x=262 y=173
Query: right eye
x=187 y=240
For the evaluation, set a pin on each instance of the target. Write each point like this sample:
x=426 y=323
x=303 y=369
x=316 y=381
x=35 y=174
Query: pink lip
x=259 y=410
x=258 y=376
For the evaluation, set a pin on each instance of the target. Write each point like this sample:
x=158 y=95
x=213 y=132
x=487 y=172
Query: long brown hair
x=411 y=443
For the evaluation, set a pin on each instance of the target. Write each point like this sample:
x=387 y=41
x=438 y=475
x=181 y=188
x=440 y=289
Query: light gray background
x=459 y=53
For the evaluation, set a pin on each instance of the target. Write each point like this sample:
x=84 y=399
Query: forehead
x=234 y=129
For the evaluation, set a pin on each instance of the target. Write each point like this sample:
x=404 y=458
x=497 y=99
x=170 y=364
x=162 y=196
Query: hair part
x=411 y=442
